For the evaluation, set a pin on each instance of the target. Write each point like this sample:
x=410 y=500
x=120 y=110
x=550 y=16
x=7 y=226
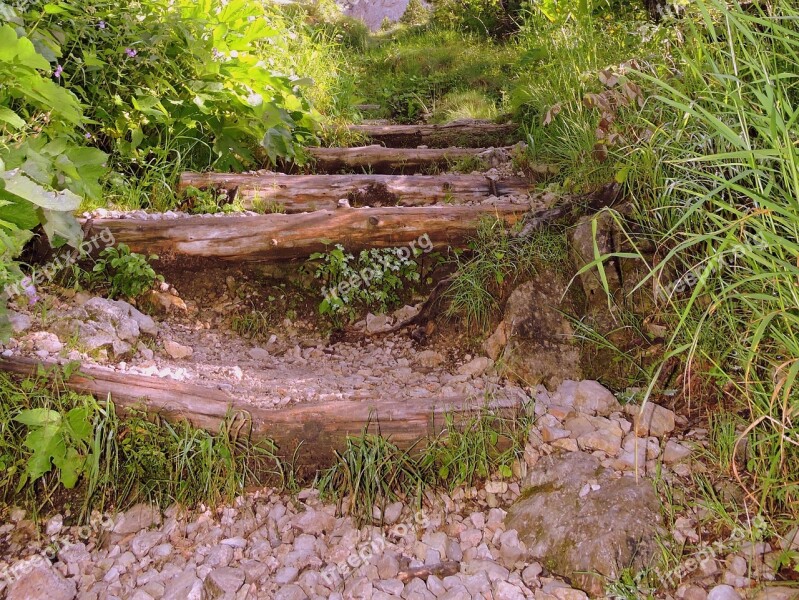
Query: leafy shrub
x=351 y=33
x=129 y=273
x=415 y=14
x=56 y=440
x=192 y=79
x=379 y=276
x=487 y=17
x=45 y=167
x=470 y=104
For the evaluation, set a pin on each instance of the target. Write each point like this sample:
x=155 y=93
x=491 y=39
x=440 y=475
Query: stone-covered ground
x=591 y=514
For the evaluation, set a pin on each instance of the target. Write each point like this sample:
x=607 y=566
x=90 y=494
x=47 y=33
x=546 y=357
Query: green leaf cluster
x=56 y=440
x=129 y=273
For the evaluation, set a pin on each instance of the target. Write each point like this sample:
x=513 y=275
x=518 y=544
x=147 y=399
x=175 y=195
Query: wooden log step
x=379 y=159
x=243 y=238
x=322 y=428
x=305 y=193
x=463 y=133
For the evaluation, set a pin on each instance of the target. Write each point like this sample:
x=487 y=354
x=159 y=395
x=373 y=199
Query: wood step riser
x=320 y=428
x=278 y=237
x=463 y=134
x=389 y=161
x=306 y=193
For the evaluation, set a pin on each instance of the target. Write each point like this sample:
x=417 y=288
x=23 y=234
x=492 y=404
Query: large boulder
x=583 y=522
x=535 y=339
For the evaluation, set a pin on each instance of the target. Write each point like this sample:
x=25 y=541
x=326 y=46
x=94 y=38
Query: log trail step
x=251 y=238
x=321 y=427
x=382 y=160
x=467 y=133
x=303 y=193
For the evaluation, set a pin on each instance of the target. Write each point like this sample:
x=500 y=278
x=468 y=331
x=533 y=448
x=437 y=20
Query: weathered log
x=243 y=238
x=378 y=159
x=464 y=133
x=320 y=427
x=305 y=193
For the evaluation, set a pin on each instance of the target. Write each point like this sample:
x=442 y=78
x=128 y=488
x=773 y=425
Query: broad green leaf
x=38 y=417
x=80 y=424
x=18 y=184
x=64 y=225
x=27 y=55
x=70 y=466
x=8 y=43
x=18 y=212
x=9 y=116
x=47 y=444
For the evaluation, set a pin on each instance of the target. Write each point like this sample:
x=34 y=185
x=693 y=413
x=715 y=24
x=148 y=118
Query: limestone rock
x=405 y=313
x=138 y=517
x=121 y=313
x=494 y=346
x=223 y=583
x=20 y=322
x=592 y=398
x=476 y=366
x=314 y=522
x=39 y=580
x=378 y=323
x=653 y=420
x=429 y=359
x=258 y=354
x=723 y=592
x=540 y=347
x=675 y=452
x=164 y=302
x=176 y=350
x=576 y=536
x=374 y=12
x=47 y=342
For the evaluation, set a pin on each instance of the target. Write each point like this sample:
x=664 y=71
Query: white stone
x=176 y=350
x=723 y=592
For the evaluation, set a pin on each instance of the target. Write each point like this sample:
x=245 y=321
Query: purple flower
x=131 y=52
x=101 y=24
x=58 y=71
x=87 y=135
x=30 y=290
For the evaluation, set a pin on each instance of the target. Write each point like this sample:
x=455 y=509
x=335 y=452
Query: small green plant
x=129 y=273
x=415 y=14
x=469 y=165
x=209 y=201
x=471 y=449
x=252 y=324
x=469 y=104
x=631 y=585
x=373 y=281
x=372 y=472
x=498 y=256
x=56 y=440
